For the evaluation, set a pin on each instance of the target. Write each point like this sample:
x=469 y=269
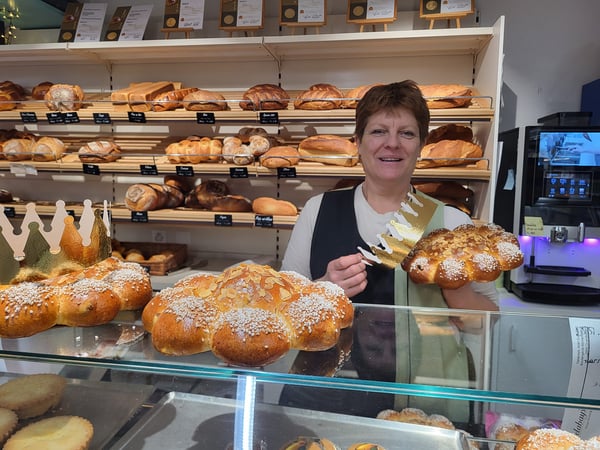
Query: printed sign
x=128 y=23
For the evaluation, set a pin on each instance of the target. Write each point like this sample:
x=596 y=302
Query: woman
x=392 y=122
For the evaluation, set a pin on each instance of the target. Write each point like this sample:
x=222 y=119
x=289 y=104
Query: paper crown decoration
x=64 y=247
x=403 y=231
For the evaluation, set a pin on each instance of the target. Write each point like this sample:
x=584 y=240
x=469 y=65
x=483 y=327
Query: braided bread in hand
x=250 y=315
x=452 y=258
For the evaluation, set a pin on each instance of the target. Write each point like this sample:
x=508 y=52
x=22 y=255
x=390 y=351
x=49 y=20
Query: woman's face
x=390 y=145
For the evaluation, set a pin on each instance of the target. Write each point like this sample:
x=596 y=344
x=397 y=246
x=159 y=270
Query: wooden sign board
x=445 y=9
x=303 y=13
x=371 y=11
x=241 y=15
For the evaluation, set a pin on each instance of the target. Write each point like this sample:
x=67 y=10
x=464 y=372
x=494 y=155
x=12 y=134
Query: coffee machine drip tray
x=559 y=294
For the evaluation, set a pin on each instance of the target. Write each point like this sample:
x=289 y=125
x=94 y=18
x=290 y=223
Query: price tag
x=238 y=172
x=28 y=117
x=269 y=118
x=9 y=211
x=139 y=216
x=71 y=117
x=136 y=117
x=263 y=221
x=102 y=118
x=55 y=117
x=205 y=117
x=91 y=169
x=223 y=220
x=286 y=172
x=148 y=169
x=184 y=171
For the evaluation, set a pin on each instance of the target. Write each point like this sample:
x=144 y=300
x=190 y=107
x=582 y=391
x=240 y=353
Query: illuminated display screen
x=569 y=148
x=568 y=186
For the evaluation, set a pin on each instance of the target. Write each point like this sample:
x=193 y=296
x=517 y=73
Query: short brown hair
x=404 y=94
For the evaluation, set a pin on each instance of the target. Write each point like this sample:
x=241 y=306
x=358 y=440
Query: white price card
x=380 y=9
x=456 y=6
x=249 y=13
x=310 y=11
x=584 y=381
x=89 y=27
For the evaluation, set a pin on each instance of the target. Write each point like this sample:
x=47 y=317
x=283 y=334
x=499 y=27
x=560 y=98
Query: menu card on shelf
x=184 y=14
x=241 y=14
x=82 y=22
x=371 y=11
x=585 y=373
x=299 y=12
x=128 y=23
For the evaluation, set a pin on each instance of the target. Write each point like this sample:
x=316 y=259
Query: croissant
x=249 y=315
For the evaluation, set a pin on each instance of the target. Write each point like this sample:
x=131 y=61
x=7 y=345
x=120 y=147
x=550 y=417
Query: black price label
x=263 y=221
x=139 y=216
x=9 y=211
x=148 y=169
x=184 y=171
x=286 y=172
x=238 y=172
x=71 y=117
x=205 y=117
x=91 y=169
x=55 y=117
x=269 y=118
x=28 y=117
x=223 y=220
x=136 y=117
x=102 y=118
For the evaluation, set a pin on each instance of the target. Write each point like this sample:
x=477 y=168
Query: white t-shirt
x=370 y=224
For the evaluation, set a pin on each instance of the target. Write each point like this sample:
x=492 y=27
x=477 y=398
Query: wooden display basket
x=175 y=256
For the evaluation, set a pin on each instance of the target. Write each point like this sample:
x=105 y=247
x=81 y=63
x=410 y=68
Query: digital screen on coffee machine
x=569 y=148
x=568 y=185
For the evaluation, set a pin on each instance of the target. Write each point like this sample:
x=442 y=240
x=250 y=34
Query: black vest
x=336 y=234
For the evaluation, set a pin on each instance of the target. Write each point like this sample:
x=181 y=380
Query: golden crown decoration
x=35 y=253
x=403 y=231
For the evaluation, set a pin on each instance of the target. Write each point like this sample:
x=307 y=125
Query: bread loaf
x=145 y=197
x=448 y=153
x=206 y=194
x=235 y=152
x=249 y=315
x=17 y=149
x=99 y=152
x=329 y=149
x=450 y=131
x=171 y=100
x=10 y=95
x=280 y=156
x=83 y=298
x=273 y=207
x=263 y=97
x=64 y=97
x=38 y=92
x=353 y=96
x=441 y=96
x=140 y=97
x=203 y=100
x=551 y=439
x=231 y=203
x=48 y=148
x=451 y=259
x=320 y=96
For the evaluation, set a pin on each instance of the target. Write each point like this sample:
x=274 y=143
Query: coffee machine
x=557 y=214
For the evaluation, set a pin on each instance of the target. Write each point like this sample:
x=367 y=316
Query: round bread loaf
x=258 y=145
x=232 y=203
x=280 y=156
x=144 y=197
x=18 y=149
x=26 y=309
x=448 y=153
x=320 y=96
x=442 y=96
x=53 y=433
x=262 y=97
x=183 y=183
x=249 y=315
x=99 y=152
x=273 y=207
x=329 y=149
x=64 y=97
x=548 y=439
x=450 y=131
x=246 y=133
x=38 y=92
x=451 y=259
x=204 y=100
x=208 y=192
x=47 y=148
x=353 y=96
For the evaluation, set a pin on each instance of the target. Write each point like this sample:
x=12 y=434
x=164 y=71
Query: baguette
x=171 y=100
x=329 y=149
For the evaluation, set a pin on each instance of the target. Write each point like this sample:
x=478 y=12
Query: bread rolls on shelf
x=269 y=206
x=329 y=149
x=448 y=153
x=47 y=148
x=280 y=156
x=64 y=97
x=264 y=97
x=204 y=100
x=320 y=96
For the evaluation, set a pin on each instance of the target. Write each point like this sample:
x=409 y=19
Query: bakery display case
x=343 y=394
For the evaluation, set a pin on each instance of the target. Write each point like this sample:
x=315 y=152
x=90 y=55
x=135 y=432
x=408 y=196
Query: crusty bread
x=204 y=100
x=269 y=206
x=38 y=92
x=61 y=97
x=99 y=152
x=450 y=131
x=449 y=153
x=320 y=96
x=452 y=258
x=442 y=96
x=18 y=149
x=280 y=156
x=265 y=96
x=329 y=149
x=170 y=100
x=353 y=96
x=47 y=148
x=232 y=203
x=145 y=197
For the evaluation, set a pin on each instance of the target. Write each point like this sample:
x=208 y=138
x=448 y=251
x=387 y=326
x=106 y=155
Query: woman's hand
x=348 y=272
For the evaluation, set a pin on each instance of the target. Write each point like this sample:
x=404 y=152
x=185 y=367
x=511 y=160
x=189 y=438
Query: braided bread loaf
x=451 y=259
x=89 y=297
x=249 y=315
